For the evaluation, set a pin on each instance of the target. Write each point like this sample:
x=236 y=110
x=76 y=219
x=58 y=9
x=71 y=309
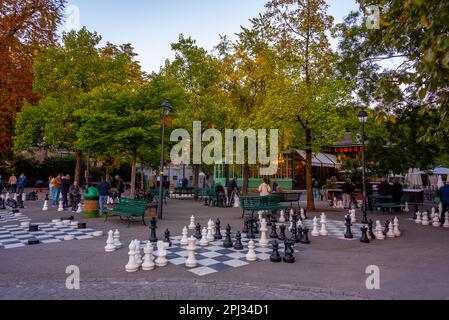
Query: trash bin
x=91 y=203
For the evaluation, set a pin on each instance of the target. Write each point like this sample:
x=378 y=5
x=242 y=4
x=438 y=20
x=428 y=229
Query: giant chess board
x=215 y=258
x=337 y=229
x=12 y=237
x=8 y=217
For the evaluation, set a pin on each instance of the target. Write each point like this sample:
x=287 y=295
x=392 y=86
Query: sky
x=152 y=25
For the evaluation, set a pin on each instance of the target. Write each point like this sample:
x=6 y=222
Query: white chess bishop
x=191 y=261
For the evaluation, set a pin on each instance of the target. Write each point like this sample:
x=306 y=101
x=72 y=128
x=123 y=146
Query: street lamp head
x=166 y=106
x=363 y=116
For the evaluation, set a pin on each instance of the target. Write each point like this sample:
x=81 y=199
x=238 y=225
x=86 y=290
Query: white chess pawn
x=390 y=233
x=210 y=232
x=353 y=216
x=396 y=230
x=446 y=220
x=191 y=261
x=251 y=256
x=15 y=197
x=323 y=231
x=61 y=206
x=282 y=217
x=185 y=239
x=292 y=212
x=236 y=202
x=110 y=242
x=204 y=242
x=24 y=197
x=80 y=208
x=379 y=232
x=418 y=218
x=117 y=244
x=436 y=221
x=315 y=232
x=406 y=209
x=148 y=263
x=263 y=243
x=161 y=260
x=192 y=225
x=131 y=266
x=138 y=255
x=425 y=220
x=45 y=208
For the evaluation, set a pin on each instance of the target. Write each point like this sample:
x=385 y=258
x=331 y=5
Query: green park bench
x=179 y=192
x=387 y=202
x=155 y=193
x=257 y=203
x=128 y=210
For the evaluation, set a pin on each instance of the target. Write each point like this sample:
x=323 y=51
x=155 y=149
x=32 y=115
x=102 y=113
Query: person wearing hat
x=444 y=197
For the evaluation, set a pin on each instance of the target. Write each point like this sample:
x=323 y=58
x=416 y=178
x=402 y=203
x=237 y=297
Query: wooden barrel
x=91 y=208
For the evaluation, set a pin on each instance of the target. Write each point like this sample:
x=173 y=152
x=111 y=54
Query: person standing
x=348 y=191
x=57 y=184
x=264 y=188
x=316 y=190
x=65 y=186
x=75 y=195
x=220 y=192
x=21 y=183
x=120 y=186
x=104 y=189
x=13 y=183
x=384 y=188
x=232 y=189
x=444 y=197
x=369 y=193
x=397 y=193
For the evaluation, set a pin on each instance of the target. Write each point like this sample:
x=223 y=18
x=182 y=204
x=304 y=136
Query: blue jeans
x=316 y=193
x=55 y=196
x=103 y=200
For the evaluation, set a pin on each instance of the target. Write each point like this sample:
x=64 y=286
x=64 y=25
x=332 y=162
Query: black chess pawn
x=305 y=239
x=371 y=229
x=364 y=238
x=250 y=234
x=282 y=235
x=348 y=233
x=288 y=255
x=275 y=256
x=227 y=243
x=153 y=227
x=167 y=238
x=218 y=235
x=299 y=235
x=238 y=242
x=274 y=233
x=245 y=227
x=274 y=219
x=198 y=234
x=294 y=233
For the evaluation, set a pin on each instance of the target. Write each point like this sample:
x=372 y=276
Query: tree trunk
x=309 y=171
x=227 y=169
x=196 y=177
x=142 y=176
x=79 y=163
x=133 y=176
x=245 y=187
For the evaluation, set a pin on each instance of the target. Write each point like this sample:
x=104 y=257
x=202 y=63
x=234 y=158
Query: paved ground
x=412 y=267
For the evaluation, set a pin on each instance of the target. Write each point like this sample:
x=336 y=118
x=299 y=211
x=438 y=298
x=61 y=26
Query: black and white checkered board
x=214 y=258
x=7 y=217
x=336 y=229
x=12 y=237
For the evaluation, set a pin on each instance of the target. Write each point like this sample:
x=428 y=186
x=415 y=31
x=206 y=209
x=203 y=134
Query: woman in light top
x=264 y=188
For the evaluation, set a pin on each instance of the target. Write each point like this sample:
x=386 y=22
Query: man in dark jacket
x=384 y=188
x=104 y=189
x=233 y=187
x=444 y=197
x=65 y=186
x=397 y=192
x=120 y=186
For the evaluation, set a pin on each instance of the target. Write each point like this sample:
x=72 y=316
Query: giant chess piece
x=288 y=255
x=161 y=260
x=386 y=227
x=353 y=216
x=117 y=244
x=255 y=227
x=364 y=238
x=167 y=240
x=61 y=206
x=148 y=263
x=204 y=242
x=80 y=208
x=251 y=255
x=306 y=236
x=260 y=214
x=323 y=218
x=246 y=227
x=432 y=213
x=110 y=242
x=418 y=219
x=315 y=231
x=275 y=256
x=282 y=217
x=192 y=224
x=348 y=233
x=396 y=229
x=238 y=242
x=274 y=234
x=263 y=231
x=191 y=261
x=446 y=220
x=185 y=238
x=2 y=203
x=415 y=216
x=132 y=266
x=137 y=256
x=406 y=209
x=390 y=233
x=282 y=235
x=218 y=235
x=294 y=234
x=371 y=234
x=303 y=214
x=299 y=235
x=251 y=234
x=425 y=220
x=198 y=231
x=269 y=220
x=210 y=231
x=45 y=208
x=323 y=231
x=153 y=227
x=436 y=221
x=227 y=243
x=379 y=233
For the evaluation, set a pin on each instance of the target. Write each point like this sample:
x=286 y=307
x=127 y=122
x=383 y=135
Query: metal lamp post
x=363 y=118
x=166 y=107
